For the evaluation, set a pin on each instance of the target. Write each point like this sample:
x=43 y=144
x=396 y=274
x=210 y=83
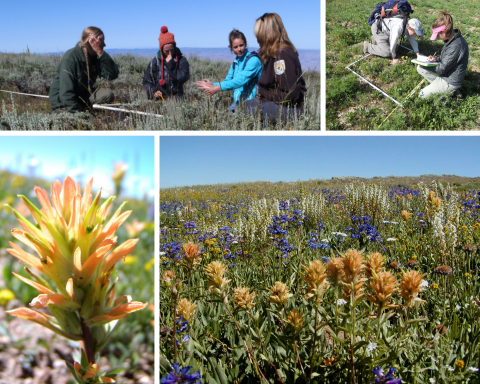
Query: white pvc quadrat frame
x=373 y=85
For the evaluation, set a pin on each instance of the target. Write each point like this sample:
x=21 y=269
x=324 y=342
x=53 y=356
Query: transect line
x=124 y=110
x=368 y=82
x=96 y=106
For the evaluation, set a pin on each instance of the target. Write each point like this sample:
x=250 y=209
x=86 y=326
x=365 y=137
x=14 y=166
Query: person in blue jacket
x=243 y=75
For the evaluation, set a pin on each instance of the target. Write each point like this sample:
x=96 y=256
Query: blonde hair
x=446 y=20
x=84 y=44
x=271 y=36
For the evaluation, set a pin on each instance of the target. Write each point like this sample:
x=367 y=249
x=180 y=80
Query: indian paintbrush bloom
x=352 y=268
x=75 y=256
x=216 y=282
x=295 y=319
x=315 y=275
x=405 y=214
x=186 y=309
x=374 y=264
x=382 y=285
x=192 y=252
x=118 y=175
x=279 y=294
x=410 y=287
x=335 y=271
x=89 y=374
x=243 y=298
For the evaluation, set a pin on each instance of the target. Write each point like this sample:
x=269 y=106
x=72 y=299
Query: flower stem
x=87 y=343
x=313 y=346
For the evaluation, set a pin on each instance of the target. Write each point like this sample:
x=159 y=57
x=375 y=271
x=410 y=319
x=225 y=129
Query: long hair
x=271 y=36
x=236 y=34
x=84 y=44
x=446 y=20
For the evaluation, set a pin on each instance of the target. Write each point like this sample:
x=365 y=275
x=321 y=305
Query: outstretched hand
x=204 y=84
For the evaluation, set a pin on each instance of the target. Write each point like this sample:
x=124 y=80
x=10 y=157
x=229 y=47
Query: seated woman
x=243 y=75
x=449 y=74
x=281 y=88
x=385 y=44
x=73 y=89
x=168 y=71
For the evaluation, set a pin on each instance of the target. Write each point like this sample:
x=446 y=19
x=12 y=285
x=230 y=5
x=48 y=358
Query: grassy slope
x=354 y=105
x=33 y=74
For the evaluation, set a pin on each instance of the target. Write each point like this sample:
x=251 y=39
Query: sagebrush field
x=33 y=74
x=351 y=104
x=327 y=281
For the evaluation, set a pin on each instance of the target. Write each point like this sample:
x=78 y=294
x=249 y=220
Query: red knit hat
x=165 y=38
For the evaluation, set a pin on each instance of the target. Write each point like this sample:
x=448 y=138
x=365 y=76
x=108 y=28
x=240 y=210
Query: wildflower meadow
x=327 y=281
x=33 y=74
x=76 y=294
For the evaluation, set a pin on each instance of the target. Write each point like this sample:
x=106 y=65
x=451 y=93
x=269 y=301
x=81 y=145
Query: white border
x=157 y=260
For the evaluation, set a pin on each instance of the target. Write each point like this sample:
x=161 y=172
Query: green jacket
x=70 y=85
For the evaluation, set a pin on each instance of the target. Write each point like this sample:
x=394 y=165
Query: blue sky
x=197 y=160
x=82 y=157
x=55 y=26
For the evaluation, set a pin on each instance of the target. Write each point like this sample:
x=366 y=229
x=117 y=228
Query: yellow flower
x=410 y=287
x=279 y=294
x=216 y=282
x=460 y=364
x=295 y=319
x=6 y=295
x=468 y=275
x=434 y=286
x=243 y=298
x=406 y=215
x=149 y=264
x=186 y=309
x=130 y=259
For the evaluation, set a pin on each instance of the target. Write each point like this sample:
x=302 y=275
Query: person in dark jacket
x=168 y=71
x=449 y=74
x=73 y=88
x=281 y=88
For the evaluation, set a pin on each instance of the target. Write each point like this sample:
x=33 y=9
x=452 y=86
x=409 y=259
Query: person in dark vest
x=449 y=74
x=168 y=71
x=73 y=88
x=243 y=75
x=281 y=88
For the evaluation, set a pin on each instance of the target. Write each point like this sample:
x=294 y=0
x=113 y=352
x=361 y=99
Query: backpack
x=389 y=9
x=252 y=54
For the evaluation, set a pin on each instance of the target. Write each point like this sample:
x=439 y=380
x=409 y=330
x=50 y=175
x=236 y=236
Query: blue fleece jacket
x=243 y=81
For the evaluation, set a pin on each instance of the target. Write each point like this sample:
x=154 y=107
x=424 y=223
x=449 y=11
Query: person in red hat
x=168 y=71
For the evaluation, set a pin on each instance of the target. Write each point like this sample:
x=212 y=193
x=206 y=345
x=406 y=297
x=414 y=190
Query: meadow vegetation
x=346 y=280
x=32 y=354
x=31 y=73
x=351 y=104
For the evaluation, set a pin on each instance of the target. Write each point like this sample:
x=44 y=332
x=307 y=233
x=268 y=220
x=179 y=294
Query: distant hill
x=309 y=58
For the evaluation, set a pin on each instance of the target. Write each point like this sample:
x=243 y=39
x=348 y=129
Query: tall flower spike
x=73 y=250
x=382 y=286
x=374 y=264
x=352 y=268
x=279 y=294
x=216 y=282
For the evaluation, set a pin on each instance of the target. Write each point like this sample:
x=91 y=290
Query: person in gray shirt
x=449 y=74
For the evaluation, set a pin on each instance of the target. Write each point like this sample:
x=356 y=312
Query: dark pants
x=271 y=111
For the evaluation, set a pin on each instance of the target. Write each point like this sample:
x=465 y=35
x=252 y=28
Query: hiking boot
x=374 y=42
x=456 y=93
x=365 y=47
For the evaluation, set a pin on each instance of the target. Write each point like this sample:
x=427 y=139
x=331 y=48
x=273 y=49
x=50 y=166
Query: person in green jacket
x=73 y=88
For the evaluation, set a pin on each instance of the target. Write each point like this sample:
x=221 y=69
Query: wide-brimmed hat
x=416 y=25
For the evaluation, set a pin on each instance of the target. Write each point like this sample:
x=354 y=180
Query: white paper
x=423 y=58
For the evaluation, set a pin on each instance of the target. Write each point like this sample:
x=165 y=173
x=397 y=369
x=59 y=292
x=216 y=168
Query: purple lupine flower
x=385 y=379
x=181 y=376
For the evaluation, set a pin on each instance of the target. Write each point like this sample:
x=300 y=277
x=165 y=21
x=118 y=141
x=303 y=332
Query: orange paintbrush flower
x=72 y=246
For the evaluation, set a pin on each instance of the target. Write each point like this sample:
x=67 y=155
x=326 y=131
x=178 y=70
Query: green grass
x=351 y=104
x=29 y=73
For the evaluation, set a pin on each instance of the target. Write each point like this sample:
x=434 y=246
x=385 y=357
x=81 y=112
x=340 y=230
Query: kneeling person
x=73 y=88
x=384 y=42
x=168 y=71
